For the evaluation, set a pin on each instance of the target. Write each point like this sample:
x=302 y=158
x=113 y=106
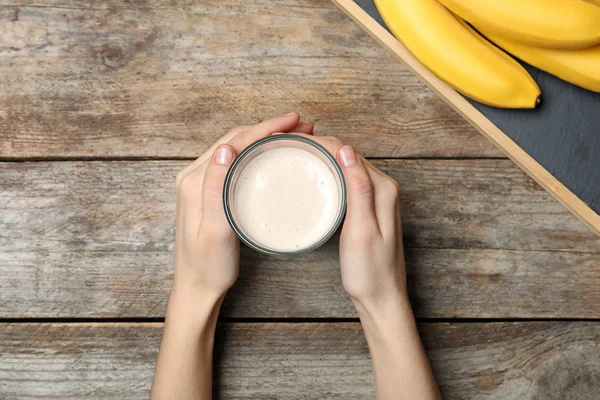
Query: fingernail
x=223 y=155
x=290 y=114
x=347 y=156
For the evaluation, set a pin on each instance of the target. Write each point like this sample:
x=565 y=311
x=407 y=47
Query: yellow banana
x=596 y=2
x=564 y=24
x=580 y=67
x=469 y=64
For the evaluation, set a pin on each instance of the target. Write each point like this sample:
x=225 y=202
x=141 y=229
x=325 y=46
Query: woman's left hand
x=206 y=248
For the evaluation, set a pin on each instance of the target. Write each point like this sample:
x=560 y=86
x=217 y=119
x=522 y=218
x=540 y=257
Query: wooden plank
x=167 y=78
x=443 y=283
x=523 y=360
x=480 y=121
x=113 y=206
x=95 y=239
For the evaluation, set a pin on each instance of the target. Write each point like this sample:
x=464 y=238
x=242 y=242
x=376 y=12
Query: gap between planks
x=236 y=320
x=142 y=159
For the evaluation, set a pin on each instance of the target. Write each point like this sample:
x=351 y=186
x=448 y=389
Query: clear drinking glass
x=274 y=142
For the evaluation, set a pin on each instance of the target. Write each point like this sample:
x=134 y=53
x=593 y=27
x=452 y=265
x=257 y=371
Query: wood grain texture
x=442 y=284
x=167 y=78
x=95 y=239
x=525 y=360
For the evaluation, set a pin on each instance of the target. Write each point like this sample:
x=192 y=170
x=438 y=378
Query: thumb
x=360 y=214
x=212 y=190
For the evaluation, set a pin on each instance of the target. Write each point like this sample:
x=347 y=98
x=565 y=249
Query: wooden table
x=101 y=103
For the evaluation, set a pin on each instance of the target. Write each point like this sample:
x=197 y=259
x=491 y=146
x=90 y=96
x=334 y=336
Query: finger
x=285 y=122
x=305 y=127
x=373 y=169
x=387 y=198
x=222 y=140
x=213 y=214
x=302 y=126
x=241 y=137
x=264 y=129
x=189 y=204
x=236 y=130
x=360 y=214
x=208 y=153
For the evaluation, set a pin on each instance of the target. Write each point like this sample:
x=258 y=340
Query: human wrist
x=385 y=311
x=189 y=284
x=193 y=308
x=387 y=296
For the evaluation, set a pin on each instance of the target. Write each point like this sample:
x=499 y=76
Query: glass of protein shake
x=285 y=195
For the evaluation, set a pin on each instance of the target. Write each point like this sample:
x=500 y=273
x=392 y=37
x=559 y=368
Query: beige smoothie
x=286 y=199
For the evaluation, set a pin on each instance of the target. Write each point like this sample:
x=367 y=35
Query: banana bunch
x=561 y=37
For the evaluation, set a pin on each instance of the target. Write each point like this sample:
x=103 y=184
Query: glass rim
x=227 y=206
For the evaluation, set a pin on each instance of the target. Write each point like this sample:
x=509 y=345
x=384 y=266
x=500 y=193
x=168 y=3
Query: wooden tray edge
x=471 y=114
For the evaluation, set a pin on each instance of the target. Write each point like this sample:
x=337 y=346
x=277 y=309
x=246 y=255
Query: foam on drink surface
x=286 y=199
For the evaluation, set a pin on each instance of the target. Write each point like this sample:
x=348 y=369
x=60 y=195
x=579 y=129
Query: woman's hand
x=373 y=274
x=371 y=252
x=206 y=264
x=206 y=248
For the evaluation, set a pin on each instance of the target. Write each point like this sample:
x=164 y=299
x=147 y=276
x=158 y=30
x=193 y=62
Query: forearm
x=184 y=365
x=400 y=364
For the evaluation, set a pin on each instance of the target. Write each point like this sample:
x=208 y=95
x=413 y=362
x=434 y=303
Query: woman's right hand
x=373 y=274
x=371 y=251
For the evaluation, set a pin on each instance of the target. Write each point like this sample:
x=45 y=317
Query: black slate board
x=562 y=134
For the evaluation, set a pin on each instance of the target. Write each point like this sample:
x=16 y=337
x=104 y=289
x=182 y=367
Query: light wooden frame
x=476 y=118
